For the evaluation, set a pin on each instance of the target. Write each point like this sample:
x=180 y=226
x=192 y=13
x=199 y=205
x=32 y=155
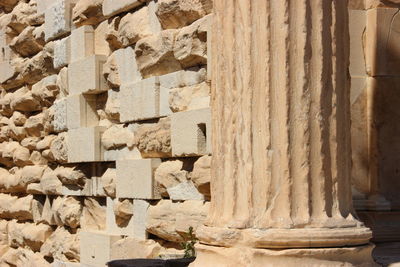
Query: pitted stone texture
x=201 y=175
x=58 y=18
x=28 y=234
x=62 y=52
x=62 y=245
x=87 y=12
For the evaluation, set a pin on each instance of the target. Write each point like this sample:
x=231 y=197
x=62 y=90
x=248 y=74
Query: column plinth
x=281 y=126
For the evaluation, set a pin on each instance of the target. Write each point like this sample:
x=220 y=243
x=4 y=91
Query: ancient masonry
x=106 y=141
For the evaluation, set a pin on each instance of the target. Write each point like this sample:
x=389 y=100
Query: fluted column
x=281 y=126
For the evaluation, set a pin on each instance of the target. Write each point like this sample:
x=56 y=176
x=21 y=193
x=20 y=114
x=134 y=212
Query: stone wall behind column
x=104 y=128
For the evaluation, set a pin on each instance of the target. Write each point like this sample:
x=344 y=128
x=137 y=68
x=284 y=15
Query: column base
x=248 y=257
x=285 y=238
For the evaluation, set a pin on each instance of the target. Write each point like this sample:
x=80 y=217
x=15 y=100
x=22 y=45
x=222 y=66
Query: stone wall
x=104 y=128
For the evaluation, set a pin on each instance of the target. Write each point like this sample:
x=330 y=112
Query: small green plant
x=188 y=245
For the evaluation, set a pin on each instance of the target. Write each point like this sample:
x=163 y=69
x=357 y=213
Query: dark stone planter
x=151 y=263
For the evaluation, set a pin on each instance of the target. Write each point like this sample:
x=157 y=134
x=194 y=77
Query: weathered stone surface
x=28 y=234
x=190 y=47
x=32 y=174
x=170 y=174
x=50 y=184
x=175 y=14
x=112 y=7
x=23 y=100
x=93 y=215
x=201 y=175
x=184 y=98
x=12 y=207
x=139 y=24
x=169 y=220
x=131 y=248
x=123 y=211
x=26 y=44
x=87 y=12
x=155 y=54
x=154 y=140
x=108 y=181
x=69 y=210
x=62 y=245
x=58 y=148
x=46 y=90
x=184 y=191
x=23 y=257
x=34 y=125
x=116 y=136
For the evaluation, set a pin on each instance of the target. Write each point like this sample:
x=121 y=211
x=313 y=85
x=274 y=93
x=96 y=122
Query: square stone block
x=5 y=50
x=382 y=42
x=182 y=78
x=126 y=63
x=58 y=20
x=85 y=76
x=95 y=247
x=81 y=111
x=82 y=43
x=62 y=51
x=6 y=71
x=84 y=144
x=357 y=24
x=135 y=227
x=191 y=132
x=135 y=179
x=113 y=7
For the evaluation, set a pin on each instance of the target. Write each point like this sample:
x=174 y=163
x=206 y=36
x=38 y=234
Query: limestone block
x=82 y=43
x=122 y=153
x=23 y=100
x=135 y=179
x=154 y=140
x=190 y=46
x=382 y=40
x=108 y=181
x=69 y=210
x=100 y=39
x=96 y=247
x=62 y=52
x=7 y=72
x=84 y=76
x=60 y=115
x=356 y=4
x=357 y=24
x=85 y=144
x=57 y=263
x=191 y=133
x=58 y=18
x=132 y=248
x=381 y=3
x=121 y=68
x=139 y=24
x=23 y=15
x=112 y=107
x=170 y=174
x=87 y=12
x=50 y=184
x=62 y=82
x=32 y=174
x=25 y=44
x=81 y=111
x=93 y=214
x=34 y=125
x=183 y=78
x=62 y=245
x=155 y=54
x=168 y=219
x=113 y=7
x=23 y=257
x=177 y=14
x=8 y=5
x=143 y=100
x=201 y=175
x=42 y=5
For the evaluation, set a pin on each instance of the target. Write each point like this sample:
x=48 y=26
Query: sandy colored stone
x=28 y=234
x=131 y=248
x=184 y=191
x=62 y=82
x=23 y=100
x=12 y=207
x=154 y=140
x=59 y=148
x=18 y=118
x=69 y=210
x=155 y=54
x=93 y=215
x=201 y=175
x=46 y=90
x=32 y=174
x=87 y=12
x=112 y=108
x=381 y=3
x=116 y=136
x=168 y=220
x=23 y=257
x=108 y=181
x=50 y=184
x=16 y=133
x=45 y=143
x=34 y=125
x=190 y=47
x=23 y=15
x=123 y=211
x=182 y=98
x=139 y=24
x=175 y=14
x=62 y=245
x=170 y=174
x=26 y=44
